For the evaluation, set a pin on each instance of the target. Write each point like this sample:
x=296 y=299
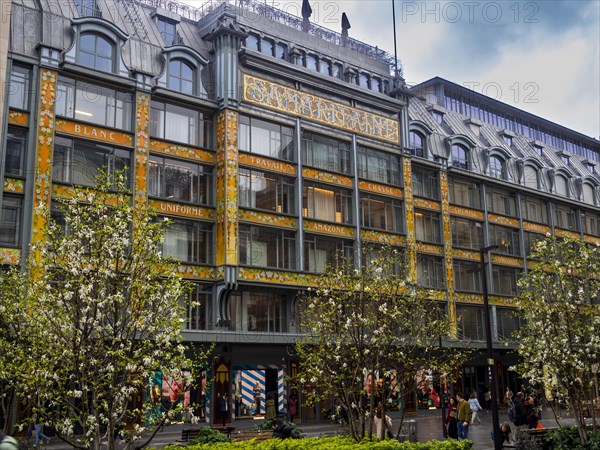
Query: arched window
x=416 y=144
x=460 y=156
x=531 y=177
x=96 y=52
x=588 y=194
x=181 y=77
x=497 y=168
x=562 y=185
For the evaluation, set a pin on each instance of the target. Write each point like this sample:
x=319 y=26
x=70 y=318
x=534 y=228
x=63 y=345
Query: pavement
x=428 y=424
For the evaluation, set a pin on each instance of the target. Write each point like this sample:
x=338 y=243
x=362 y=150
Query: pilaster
x=448 y=255
x=411 y=243
x=142 y=149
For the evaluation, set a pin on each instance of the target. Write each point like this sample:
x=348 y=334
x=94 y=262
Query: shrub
x=335 y=443
x=208 y=435
x=567 y=438
x=268 y=425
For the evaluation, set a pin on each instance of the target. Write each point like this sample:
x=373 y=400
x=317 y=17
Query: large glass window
x=189 y=241
x=325 y=153
x=78 y=162
x=497 y=168
x=322 y=252
x=18 y=89
x=266 y=138
x=467 y=276
x=470 y=322
x=427 y=226
x=179 y=124
x=198 y=308
x=529 y=239
x=425 y=183
x=591 y=223
x=562 y=185
x=464 y=193
x=588 y=194
x=181 y=77
x=501 y=201
x=460 y=156
x=183 y=181
x=466 y=233
x=96 y=52
x=506 y=238
x=10 y=221
x=379 y=166
x=381 y=213
x=267 y=247
x=257 y=312
x=430 y=271
x=16 y=145
x=168 y=31
x=327 y=203
x=508 y=322
x=504 y=280
x=531 y=177
x=565 y=217
x=534 y=209
x=416 y=144
x=267 y=191
x=92 y=103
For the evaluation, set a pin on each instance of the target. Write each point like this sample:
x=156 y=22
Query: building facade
x=272 y=149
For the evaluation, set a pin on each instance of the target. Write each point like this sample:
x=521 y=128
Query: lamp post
x=490 y=349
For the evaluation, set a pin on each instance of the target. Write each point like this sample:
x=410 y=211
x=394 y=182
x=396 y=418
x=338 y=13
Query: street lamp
x=490 y=349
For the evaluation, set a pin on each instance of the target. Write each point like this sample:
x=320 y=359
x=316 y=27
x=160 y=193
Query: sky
x=540 y=56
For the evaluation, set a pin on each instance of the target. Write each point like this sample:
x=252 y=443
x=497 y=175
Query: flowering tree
x=109 y=313
x=366 y=335
x=559 y=342
x=15 y=340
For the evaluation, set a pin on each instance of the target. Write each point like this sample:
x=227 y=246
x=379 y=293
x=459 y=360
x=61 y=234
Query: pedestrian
x=464 y=417
x=532 y=418
x=487 y=397
x=475 y=408
x=38 y=433
x=224 y=408
x=292 y=407
x=257 y=395
x=452 y=419
x=520 y=410
x=508 y=397
x=270 y=408
x=383 y=425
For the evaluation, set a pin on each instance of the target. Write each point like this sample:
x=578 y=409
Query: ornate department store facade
x=272 y=149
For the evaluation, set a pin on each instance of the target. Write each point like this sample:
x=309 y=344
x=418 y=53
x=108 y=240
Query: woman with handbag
x=452 y=419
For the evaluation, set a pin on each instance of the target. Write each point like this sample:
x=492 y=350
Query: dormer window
x=539 y=150
x=96 y=52
x=325 y=67
x=183 y=71
x=364 y=80
x=508 y=140
x=375 y=84
x=252 y=42
x=181 y=77
x=591 y=167
x=338 y=71
x=565 y=159
x=438 y=116
x=460 y=156
x=168 y=31
x=266 y=47
x=312 y=62
x=416 y=144
x=497 y=168
x=281 y=51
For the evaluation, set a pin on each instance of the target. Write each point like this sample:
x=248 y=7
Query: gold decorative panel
x=507 y=260
x=328 y=228
x=18 y=118
x=260 y=162
x=426 y=203
x=430 y=248
x=465 y=254
x=503 y=220
x=94 y=132
x=277 y=277
x=227 y=188
x=567 y=233
x=267 y=218
x=180 y=210
x=319 y=109
x=196 y=272
x=448 y=266
x=181 y=151
x=326 y=177
x=14 y=185
x=381 y=237
x=142 y=150
x=536 y=227
x=591 y=239
x=10 y=255
x=382 y=189
x=410 y=221
x=466 y=212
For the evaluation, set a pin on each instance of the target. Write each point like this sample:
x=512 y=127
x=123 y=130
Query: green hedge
x=334 y=443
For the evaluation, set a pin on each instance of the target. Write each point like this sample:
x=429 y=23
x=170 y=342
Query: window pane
x=16 y=140
x=188 y=241
x=18 y=90
x=10 y=221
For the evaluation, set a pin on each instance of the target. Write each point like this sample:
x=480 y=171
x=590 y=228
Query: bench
x=246 y=435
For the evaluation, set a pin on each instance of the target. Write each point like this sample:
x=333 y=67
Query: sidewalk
x=429 y=426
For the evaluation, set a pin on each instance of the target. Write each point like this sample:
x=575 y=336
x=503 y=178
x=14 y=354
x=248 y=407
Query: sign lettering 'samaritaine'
x=319 y=109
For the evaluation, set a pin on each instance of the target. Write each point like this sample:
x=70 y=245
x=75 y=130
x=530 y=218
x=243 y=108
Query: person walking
x=452 y=419
x=464 y=417
x=487 y=398
x=520 y=411
x=38 y=434
x=224 y=408
x=508 y=397
x=292 y=407
x=475 y=408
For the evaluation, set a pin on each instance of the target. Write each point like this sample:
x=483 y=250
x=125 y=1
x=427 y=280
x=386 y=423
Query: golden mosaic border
x=262 y=163
x=507 y=260
x=18 y=118
x=93 y=132
x=10 y=255
x=319 y=109
x=460 y=253
x=326 y=177
x=536 y=227
x=264 y=218
x=591 y=239
x=426 y=204
x=567 y=233
x=410 y=221
x=277 y=277
x=182 y=151
x=448 y=262
x=466 y=212
x=382 y=237
x=503 y=220
x=142 y=150
x=329 y=228
x=433 y=249
x=467 y=297
x=181 y=210
x=197 y=272
x=14 y=185
x=381 y=189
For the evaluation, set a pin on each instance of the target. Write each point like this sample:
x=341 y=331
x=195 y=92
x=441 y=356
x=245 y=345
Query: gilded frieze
x=448 y=265
x=94 y=132
x=319 y=109
x=263 y=218
x=426 y=203
x=196 y=272
x=381 y=237
x=181 y=210
x=18 y=118
x=410 y=221
x=260 y=162
x=181 y=151
x=329 y=228
x=507 y=260
x=591 y=239
x=503 y=220
x=567 y=233
x=433 y=249
x=14 y=185
x=277 y=277
x=462 y=253
x=432 y=294
x=326 y=177
x=10 y=255
x=466 y=212
x=381 y=189
x=142 y=150
x=536 y=227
